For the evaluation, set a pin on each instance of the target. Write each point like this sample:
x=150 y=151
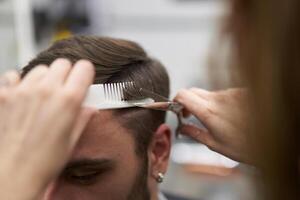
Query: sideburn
x=140 y=190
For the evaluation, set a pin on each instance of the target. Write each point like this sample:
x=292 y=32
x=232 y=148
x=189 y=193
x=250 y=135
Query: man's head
x=121 y=151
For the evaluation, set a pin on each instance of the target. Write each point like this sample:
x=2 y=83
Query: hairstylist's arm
x=41 y=120
x=223 y=113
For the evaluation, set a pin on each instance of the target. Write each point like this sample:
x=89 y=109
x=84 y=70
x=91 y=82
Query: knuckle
x=220 y=98
x=197 y=90
x=236 y=94
x=206 y=116
x=70 y=99
x=209 y=111
x=239 y=93
x=181 y=93
x=200 y=91
x=194 y=89
x=44 y=92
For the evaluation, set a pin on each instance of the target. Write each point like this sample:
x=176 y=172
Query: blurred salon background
x=183 y=34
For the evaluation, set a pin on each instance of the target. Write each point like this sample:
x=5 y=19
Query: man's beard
x=140 y=190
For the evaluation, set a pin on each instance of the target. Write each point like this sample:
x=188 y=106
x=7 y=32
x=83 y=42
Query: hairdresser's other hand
x=223 y=114
x=41 y=120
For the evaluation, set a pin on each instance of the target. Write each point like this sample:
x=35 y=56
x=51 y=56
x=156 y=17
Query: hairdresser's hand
x=41 y=120
x=223 y=114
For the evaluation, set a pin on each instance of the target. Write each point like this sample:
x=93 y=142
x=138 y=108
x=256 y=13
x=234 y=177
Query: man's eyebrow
x=105 y=163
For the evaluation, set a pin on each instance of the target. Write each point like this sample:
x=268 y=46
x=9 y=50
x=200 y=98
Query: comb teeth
x=115 y=91
x=114 y=96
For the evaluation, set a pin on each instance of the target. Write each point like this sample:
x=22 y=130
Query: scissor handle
x=175 y=107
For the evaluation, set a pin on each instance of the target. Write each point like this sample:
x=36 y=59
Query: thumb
x=82 y=120
x=199 y=134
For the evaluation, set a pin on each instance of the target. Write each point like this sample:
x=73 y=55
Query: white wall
x=178 y=34
x=16 y=34
x=8 y=50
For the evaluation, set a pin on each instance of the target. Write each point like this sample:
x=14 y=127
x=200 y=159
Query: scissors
x=164 y=104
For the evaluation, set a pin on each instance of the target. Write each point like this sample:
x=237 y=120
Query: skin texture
x=104 y=164
x=29 y=110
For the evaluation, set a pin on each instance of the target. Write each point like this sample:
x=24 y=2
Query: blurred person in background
x=260 y=125
x=257 y=125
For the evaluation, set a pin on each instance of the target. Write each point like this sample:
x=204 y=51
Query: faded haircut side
x=117 y=60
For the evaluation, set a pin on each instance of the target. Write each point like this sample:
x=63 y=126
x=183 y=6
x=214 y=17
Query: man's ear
x=160 y=150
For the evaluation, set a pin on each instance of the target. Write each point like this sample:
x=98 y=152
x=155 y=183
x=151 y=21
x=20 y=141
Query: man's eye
x=83 y=179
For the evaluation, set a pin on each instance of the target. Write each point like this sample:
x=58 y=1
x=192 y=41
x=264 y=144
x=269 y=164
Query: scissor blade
x=163 y=106
x=153 y=95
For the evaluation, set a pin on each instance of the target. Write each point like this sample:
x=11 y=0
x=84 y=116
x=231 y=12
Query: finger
x=3 y=82
x=7 y=81
x=13 y=78
x=3 y=91
x=204 y=94
x=34 y=76
x=199 y=134
x=80 y=78
x=200 y=92
x=195 y=105
x=82 y=120
x=58 y=73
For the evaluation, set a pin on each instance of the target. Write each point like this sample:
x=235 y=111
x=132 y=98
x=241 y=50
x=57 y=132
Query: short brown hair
x=117 y=60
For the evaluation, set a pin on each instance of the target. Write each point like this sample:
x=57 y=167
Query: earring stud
x=160 y=177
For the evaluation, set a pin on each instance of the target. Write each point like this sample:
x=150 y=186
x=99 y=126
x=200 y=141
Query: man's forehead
x=104 y=136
